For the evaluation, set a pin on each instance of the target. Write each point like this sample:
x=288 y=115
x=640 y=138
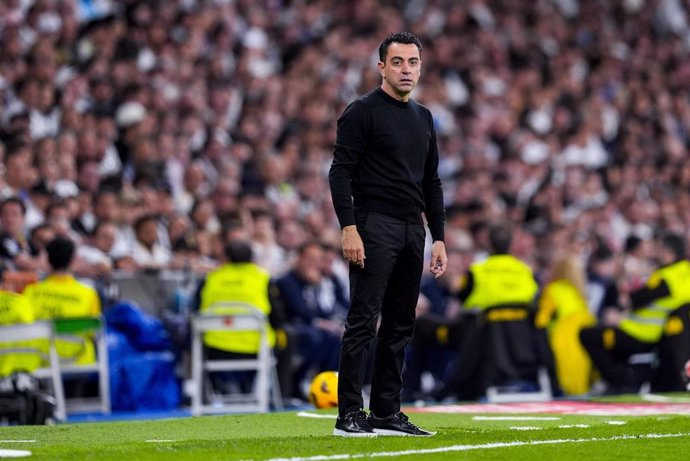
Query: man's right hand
x=353 y=247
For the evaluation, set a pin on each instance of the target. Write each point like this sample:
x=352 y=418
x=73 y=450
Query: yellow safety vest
x=501 y=280
x=236 y=282
x=646 y=324
x=563 y=310
x=559 y=300
x=60 y=296
x=15 y=308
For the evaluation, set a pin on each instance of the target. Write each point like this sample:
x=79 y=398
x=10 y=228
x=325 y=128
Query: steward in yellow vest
x=238 y=280
x=60 y=295
x=667 y=289
x=499 y=344
x=14 y=309
x=501 y=280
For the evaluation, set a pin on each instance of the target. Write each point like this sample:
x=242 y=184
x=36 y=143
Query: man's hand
x=612 y=317
x=329 y=325
x=439 y=259
x=353 y=247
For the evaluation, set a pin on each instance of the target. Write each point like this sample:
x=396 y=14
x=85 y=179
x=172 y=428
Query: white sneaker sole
x=392 y=433
x=341 y=433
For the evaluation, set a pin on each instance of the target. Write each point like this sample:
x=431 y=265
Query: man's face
x=12 y=218
x=309 y=264
x=105 y=238
x=401 y=70
x=148 y=233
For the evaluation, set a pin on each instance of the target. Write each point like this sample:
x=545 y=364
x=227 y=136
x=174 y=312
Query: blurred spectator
x=269 y=254
x=19 y=173
x=640 y=330
x=39 y=238
x=602 y=288
x=194 y=252
x=107 y=208
x=94 y=255
x=59 y=219
x=334 y=265
x=313 y=312
x=563 y=312
x=14 y=242
x=148 y=251
x=203 y=216
x=290 y=236
x=637 y=263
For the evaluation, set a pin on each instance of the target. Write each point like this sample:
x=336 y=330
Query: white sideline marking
x=14 y=453
x=616 y=423
x=160 y=441
x=485 y=446
x=516 y=418
x=664 y=399
x=536 y=428
x=18 y=441
x=305 y=414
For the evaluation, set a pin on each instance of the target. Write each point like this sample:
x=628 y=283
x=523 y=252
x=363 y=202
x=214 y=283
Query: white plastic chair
x=41 y=330
x=244 y=317
x=72 y=329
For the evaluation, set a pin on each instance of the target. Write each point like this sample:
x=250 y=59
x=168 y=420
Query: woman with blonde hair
x=563 y=311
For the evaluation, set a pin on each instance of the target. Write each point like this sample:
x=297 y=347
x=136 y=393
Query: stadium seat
x=17 y=338
x=515 y=368
x=73 y=329
x=244 y=317
x=501 y=356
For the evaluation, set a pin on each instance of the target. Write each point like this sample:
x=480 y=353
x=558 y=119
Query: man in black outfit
x=383 y=177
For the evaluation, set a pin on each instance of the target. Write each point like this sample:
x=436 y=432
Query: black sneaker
x=397 y=424
x=354 y=424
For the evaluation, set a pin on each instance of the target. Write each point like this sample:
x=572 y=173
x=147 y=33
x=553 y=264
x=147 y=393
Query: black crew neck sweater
x=386 y=160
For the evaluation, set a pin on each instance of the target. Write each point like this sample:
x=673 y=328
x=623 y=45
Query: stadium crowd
x=153 y=132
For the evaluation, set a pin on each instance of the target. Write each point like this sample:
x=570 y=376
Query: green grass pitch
x=287 y=435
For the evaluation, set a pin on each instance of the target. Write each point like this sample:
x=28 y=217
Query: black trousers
x=386 y=288
x=609 y=348
x=674 y=353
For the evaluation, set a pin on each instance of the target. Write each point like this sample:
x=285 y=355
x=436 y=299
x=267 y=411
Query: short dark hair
x=500 y=237
x=632 y=243
x=16 y=200
x=602 y=252
x=308 y=244
x=674 y=243
x=143 y=219
x=406 y=38
x=239 y=251
x=60 y=252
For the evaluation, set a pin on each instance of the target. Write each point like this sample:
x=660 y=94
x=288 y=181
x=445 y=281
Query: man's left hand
x=439 y=259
